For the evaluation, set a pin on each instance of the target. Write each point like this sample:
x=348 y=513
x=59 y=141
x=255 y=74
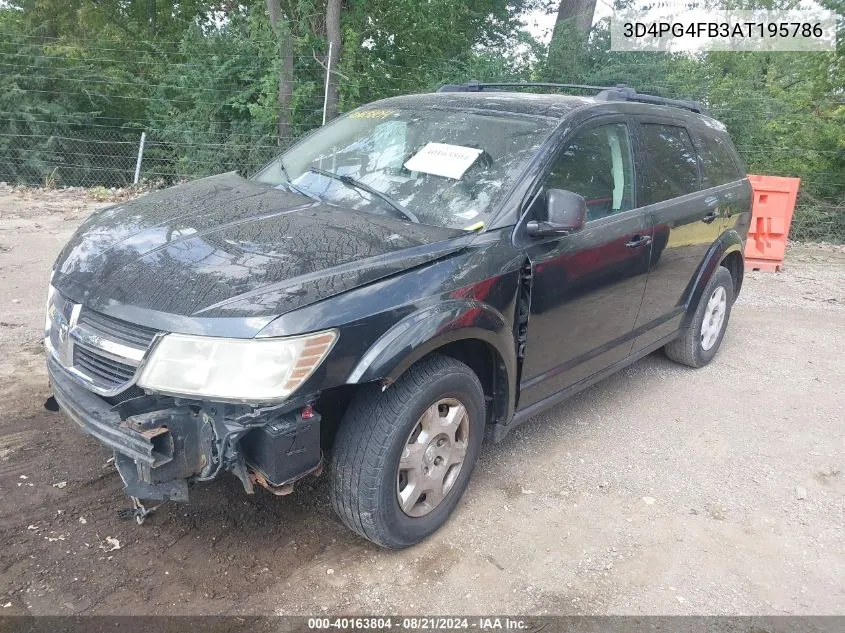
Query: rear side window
x=672 y=162
x=717 y=162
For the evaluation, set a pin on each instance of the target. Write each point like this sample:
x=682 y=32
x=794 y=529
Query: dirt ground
x=661 y=490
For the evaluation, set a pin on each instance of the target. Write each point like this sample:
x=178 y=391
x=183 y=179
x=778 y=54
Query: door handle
x=710 y=217
x=639 y=240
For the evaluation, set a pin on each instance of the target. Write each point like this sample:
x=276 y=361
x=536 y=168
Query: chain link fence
x=818 y=220
x=101 y=156
x=68 y=157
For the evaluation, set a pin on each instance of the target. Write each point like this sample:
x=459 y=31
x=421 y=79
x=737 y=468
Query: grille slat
x=108 y=372
x=110 y=379
x=119 y=370
x=102 y=368
x=117 y=330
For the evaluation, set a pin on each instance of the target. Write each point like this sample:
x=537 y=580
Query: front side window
x=596 y=164
x=672 y=162
x=441 y=167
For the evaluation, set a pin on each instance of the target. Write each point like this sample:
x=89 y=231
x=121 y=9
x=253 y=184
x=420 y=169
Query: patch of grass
x=100 y=193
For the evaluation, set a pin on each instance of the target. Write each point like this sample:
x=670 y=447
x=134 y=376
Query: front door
x=685 y=221
x=587 y=287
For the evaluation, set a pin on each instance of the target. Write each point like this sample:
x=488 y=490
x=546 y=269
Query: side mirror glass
x=566 y=212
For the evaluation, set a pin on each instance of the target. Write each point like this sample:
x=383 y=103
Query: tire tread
x=685 y=348
x=366 y=434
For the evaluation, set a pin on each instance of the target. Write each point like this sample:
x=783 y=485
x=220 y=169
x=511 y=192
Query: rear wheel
x=701 y=340
x=403 y=457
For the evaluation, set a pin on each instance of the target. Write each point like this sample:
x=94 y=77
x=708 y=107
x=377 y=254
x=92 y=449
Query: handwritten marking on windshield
x=371 y=114
x=443 y=159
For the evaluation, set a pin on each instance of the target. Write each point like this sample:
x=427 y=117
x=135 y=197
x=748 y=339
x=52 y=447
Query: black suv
x=421 y=272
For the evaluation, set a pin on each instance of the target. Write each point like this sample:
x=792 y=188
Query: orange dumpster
x=773 y=203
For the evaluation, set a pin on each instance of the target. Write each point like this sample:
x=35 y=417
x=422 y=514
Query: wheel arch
x=726 y=251
x=471 y=332
x=735 y=263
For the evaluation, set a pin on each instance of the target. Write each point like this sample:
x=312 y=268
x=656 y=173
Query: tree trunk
x=333 y=35
x=281 y=27
x=576 y=13
x=151 y=9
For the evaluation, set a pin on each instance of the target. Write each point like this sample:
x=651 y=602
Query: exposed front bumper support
x=155 y=453
x=96 y=418
x=161 y=446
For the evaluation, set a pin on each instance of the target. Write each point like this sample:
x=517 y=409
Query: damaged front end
x=161 y=444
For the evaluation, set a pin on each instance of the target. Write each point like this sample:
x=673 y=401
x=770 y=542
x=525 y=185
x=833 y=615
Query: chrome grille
x=100 y=351
x=109 y=373
x=114 y=329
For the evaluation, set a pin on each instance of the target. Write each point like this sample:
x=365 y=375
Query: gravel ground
x=661 y=490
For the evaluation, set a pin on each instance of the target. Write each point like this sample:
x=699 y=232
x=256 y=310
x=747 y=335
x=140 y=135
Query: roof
x=547 y=105
x=552 y=105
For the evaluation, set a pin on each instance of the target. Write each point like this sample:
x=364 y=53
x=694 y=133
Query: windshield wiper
x=294 y=187
x=349 y=181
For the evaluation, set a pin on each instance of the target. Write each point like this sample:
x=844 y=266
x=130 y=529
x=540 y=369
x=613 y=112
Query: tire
x=698 y=344
x=380 y=427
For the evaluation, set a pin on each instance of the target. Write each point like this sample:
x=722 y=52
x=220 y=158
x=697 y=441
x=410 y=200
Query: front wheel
x=403 y=457
x=701 y=340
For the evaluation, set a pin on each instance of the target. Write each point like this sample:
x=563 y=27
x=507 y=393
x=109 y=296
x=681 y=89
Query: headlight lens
x=241 y=370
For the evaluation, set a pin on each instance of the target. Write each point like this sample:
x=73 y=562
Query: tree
x=333 y=36
x=281 y=27
x=576 y=13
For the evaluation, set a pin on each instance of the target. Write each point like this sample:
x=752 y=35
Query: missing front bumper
x=157 y=453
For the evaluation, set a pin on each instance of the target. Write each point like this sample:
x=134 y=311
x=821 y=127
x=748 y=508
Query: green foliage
x=785 y=111
x=398 y=46
x=80 y=80
x=213 y=113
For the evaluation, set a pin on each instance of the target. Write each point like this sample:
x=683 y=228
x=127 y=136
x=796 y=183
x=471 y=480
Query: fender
x=729 y=242
x=422 y=332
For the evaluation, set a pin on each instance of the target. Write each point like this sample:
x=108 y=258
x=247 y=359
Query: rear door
x=587 y=286
x=723 y=176
x=685 y=222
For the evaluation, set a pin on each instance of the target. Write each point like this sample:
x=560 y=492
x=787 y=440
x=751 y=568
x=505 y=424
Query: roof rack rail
x=619 y=92
x=476 y=86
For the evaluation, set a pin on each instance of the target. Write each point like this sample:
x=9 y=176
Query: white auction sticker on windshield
x=441 y=159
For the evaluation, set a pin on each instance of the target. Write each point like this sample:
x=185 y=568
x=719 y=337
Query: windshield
x=441 y=167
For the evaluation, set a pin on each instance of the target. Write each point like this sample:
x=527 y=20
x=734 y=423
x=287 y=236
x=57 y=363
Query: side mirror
x=566 y=213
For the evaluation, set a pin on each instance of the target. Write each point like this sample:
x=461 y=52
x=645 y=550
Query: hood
x=229 y=247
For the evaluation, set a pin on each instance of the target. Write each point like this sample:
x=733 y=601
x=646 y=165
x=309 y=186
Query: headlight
x=242 y=370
